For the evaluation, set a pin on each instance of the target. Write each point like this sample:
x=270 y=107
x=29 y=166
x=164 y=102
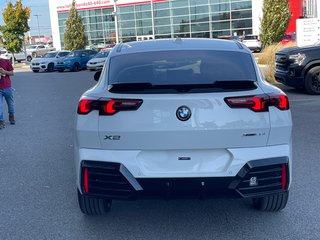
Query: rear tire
x=35 y=71
x=272 y=203
x=29 y=58
x=34 y=54
x=312 y=81
x=93 y=206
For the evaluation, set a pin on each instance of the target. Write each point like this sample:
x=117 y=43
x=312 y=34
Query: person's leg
x=1 y=109
x=8 y=95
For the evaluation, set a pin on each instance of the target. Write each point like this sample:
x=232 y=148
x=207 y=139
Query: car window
x=181 y=67
x=50 y=55
x=254 y=37
x=3 y=52
x=102 y=54
x=62 y=54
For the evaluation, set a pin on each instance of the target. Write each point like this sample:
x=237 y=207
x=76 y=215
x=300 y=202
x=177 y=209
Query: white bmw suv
x=185 y=117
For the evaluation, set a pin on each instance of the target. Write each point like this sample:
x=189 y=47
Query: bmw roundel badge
x=183 y=113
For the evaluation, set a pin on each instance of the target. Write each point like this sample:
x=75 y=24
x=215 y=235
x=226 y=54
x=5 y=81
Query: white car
x=48 y=61
x=8 y=55
x=252 y=42
x=97 y=62
x=184 y=117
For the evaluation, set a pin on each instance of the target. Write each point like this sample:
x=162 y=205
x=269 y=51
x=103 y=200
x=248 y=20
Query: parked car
x=47 y=62
x=252 y=42
x=37 y=50
x=299 y=67
x=97 y=62
x=8 y=55
x=75 y=60
x=184 y=117
x=289 y=37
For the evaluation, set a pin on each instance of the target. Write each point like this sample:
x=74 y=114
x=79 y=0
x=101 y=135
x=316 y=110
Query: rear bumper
x=256 y=178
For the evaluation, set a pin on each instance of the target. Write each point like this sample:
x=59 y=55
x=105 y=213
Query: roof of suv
x=178 y=44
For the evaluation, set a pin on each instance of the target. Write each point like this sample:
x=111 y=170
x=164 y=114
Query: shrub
x=267 y=57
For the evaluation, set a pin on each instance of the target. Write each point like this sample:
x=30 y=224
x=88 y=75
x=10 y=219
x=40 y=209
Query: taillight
x=85 y=180
x=255 y=103
x=259 y=103
x=280 y=101
x=108 y=106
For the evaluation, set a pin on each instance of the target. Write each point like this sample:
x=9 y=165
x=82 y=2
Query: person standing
x=6 y=91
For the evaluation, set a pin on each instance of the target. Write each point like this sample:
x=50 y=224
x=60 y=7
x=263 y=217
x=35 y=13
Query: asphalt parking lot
x=37 y=178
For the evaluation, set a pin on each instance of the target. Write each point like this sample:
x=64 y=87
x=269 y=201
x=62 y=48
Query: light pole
x=116 y=20
x=38 y=15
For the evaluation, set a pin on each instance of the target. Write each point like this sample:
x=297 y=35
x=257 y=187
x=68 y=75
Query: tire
x=29 y=58
x=93 y=206
x=312 y=81
x=50 y=67
x=35 y=71
x=75 y=67
x=19 y=61
x=10 y=60
x=34 y=54
x=272 y=203
x=60 y=70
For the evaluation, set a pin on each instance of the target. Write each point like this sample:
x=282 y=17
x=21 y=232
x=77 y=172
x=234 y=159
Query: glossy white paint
x=213 y=140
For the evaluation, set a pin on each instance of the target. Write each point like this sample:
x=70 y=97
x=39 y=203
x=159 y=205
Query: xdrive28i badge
x=183 y=113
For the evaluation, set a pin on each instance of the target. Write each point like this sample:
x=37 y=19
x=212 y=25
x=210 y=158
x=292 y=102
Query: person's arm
x=9 y=73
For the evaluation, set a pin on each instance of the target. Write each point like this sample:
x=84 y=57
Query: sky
x=38 y=7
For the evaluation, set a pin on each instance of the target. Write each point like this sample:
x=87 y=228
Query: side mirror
x=97 y=75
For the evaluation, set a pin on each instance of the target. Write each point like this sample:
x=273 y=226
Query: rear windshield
x=251 y=37
x=181 y=67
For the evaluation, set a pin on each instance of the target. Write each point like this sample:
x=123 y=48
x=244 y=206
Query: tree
x=15 y=18
x=275 y=20
x=74 y=36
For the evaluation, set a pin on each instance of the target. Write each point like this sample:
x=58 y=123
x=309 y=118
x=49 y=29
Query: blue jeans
x=7 y=94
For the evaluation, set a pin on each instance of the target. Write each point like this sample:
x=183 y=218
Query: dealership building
x=108 y=21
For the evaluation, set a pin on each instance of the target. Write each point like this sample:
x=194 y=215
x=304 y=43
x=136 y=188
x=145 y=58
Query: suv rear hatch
x=208 y=83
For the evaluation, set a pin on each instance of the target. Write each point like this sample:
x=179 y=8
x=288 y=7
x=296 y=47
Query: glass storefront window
x=162 y=21
x=162 y=13
x=181 y=19
x=181 y=28
x=200 y=18
x=241 y=5
x=198 y=2
x=247 y=23
x=162 y=5
x=199 y=27
x=171 y=18
x=199 y=9
x=144 y=23
x=163 y=29
x=241 y=14
x=221 y=25
x=220 y=7
x=180 y=11
x=179 y=3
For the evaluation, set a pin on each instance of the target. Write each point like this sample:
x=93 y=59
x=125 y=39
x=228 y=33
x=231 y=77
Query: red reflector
x=85 y=180
x=284 y=177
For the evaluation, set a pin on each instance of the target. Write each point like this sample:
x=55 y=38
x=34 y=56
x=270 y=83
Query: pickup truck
x=299 y=67
x=34 y=51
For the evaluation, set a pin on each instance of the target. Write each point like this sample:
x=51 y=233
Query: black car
x=299 y=67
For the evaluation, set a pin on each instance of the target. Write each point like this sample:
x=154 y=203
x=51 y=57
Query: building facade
x=106 y=21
